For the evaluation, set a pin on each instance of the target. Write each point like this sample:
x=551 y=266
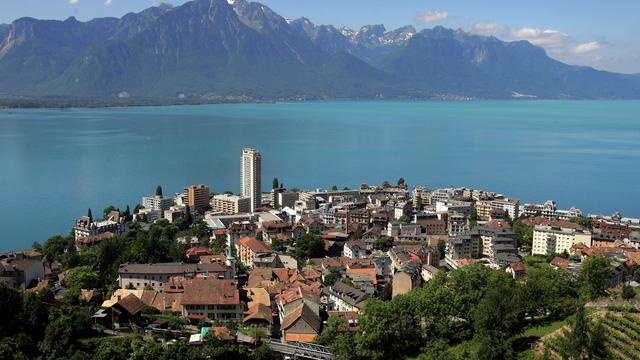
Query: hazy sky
x=598 y=33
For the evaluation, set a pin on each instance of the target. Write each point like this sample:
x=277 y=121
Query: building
x=198 y=197
x=139 y=276
x=213 y=299
x=248 y=248
x=510 y=206
x=456 y=223
x=20 y=273
x=549 y=240
x=497 y=244
x=86 y=226
x=301 y=324
x=157 y=203
x=250 y=177
x=230 y=204
x=344 y=297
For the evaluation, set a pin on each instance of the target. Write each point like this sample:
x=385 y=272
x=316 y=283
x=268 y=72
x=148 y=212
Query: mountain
x=216 y=48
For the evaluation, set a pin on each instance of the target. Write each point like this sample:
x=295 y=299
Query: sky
x=598 y=33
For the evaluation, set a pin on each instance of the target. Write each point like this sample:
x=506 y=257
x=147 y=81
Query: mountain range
x=216 y=48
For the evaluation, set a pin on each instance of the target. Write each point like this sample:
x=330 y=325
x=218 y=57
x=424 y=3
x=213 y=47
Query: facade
x=157 y=275
x=214 y=299
x=20 y=273
x=231 y=204
x=555 y=240
x=157 y=203
x=250 y=177
x=510 y=206
x=198 y=197
x=499 y=245
x=85 y=226
x=248 y=248
x=344 y=297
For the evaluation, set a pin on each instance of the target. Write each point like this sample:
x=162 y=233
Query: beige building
x=213 y=299
x=250 y=176
x=549 y=240
x=198 y=197
x=231 y=204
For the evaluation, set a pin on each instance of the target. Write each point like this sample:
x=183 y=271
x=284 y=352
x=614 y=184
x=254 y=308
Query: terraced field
x=622 y=332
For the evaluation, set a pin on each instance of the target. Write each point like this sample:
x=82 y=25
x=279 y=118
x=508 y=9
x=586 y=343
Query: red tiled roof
x=518 y=267
x=560 y=262
x=211 y=291
x=254 y=244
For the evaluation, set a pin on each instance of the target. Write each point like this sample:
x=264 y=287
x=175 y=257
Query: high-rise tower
x=250 y=175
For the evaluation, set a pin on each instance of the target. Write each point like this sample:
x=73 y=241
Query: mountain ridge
x=213 y=48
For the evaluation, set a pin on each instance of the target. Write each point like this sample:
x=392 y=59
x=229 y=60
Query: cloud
x=555 y=42
x=588 y=47
x=74 y=2
x=429 y=17
x=489 y=29
x=108 y=2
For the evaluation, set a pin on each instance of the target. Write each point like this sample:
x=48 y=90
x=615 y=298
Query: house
x=155 y=276
x=214 y=299
x=19 y=272
x=429 y=272
x=560 y=263
x=344 y=297
x=126 y=312
x=355 y=249
x=516 y=270
x=196 y=252
x=248 y=248
x=407 y=277
x=302 y=324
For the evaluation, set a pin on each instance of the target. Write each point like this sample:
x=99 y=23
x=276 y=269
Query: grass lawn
x=260 y=332
x=542 y=330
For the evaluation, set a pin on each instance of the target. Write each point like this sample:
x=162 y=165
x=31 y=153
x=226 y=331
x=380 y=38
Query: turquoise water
x=57 y=163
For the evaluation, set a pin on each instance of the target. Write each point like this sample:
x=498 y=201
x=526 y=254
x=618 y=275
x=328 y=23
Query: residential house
x=213 y=299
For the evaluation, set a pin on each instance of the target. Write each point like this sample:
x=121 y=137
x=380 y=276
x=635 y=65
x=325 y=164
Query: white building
x=231 y=204
x=250 y=176
x=157 y=202
x=549 y=240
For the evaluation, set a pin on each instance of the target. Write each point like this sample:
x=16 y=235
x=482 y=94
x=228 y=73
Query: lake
x=54 y=164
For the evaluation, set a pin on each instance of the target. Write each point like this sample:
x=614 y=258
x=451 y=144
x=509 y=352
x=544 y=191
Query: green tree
x=337 y=336
x=387 y=330
x=107 y=211
x=274 y=183
x=583 y=340
x=582 y=221
x=497 y=319
x=159 y=190
x=309 y=246
x=81 y=277
x=37 y=247
x=595 y=277
x=55 y=247
x=549 y=292
x=332 y=277
x=524 y=233
x=405 y=219
x=383 y=243
x=334 y=187
x=628 y=292
x=401 y=182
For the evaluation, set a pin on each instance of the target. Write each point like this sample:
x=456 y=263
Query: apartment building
x=230 y=204
x=555 y=239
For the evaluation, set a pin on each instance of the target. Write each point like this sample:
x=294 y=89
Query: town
x=335 y=273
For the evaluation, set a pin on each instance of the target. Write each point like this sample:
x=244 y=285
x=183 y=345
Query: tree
x=595 y=277
x=334 y=187
x=337 y=336
x=442 y=248
x=295 y=189
x=332 y=277
x=583 y=340
x=405 y=219
x=549 y=292
x=108 y=210
x=37 y=247
x=158 y=190
x=524 y=233
x=497 y=319
x=55 y=247
x=309 y=246
x=81 y=277
x=90 y=215
x=473 y=219
x=401 y=182
x=383 y=243
x=274 y=183
x=628 y=292
x=582 y=221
